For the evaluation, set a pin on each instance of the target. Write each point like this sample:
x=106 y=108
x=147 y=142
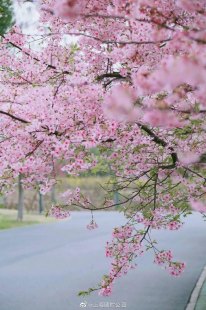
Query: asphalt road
x=43 y=267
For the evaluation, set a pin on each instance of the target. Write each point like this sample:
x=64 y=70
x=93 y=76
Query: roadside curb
x=196 y=292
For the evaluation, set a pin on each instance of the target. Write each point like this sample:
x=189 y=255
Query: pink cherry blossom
x=119 y=104
x=164 y=259
x=198 y=205
x=105 y=291
x=68 y=9
x=162 y=118
x=188 y=158
x=59 y=213
x=92 y=225
x=192 y=6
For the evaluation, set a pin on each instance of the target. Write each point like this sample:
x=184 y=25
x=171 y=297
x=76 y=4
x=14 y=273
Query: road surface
x=42 y=267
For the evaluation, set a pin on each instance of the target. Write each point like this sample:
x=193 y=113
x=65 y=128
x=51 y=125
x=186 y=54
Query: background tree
x=20 y=212
x=6 y=16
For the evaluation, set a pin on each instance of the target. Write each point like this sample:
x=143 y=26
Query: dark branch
x=156 y=139
x=163 y=143
x=29 y=55
x=116 y=75
x=15 y=117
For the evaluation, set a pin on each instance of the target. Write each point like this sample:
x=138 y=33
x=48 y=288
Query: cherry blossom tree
x=126 y=77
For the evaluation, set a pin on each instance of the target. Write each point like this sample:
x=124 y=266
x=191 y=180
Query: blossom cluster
x=92 y=225
x=164 y=259
x=161 y=218
x=124 y=246
x=59 y=213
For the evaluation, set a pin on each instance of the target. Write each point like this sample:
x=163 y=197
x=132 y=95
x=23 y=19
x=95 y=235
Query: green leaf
x=83 y=293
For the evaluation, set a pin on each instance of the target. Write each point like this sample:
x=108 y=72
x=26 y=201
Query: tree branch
x=16 y=118
x=163 y=143
x=29 y=55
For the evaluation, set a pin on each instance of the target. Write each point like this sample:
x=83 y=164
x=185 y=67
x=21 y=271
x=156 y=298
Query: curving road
x=43 y=267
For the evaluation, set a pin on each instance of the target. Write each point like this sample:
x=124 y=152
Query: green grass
x=6 y=222
x=8 y=219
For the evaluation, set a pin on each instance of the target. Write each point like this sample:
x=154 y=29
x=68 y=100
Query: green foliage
x=73 y=50
x=5 y=16
x=86 y=293
x=83 y=293
x=101 y=168
x=139 y=147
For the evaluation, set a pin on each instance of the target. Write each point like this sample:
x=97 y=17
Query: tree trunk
x=20 y=199
x=53 y=195
x=41 y=205
x=5 y=202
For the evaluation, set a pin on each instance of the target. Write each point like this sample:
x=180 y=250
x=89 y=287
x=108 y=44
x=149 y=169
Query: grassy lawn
x=8 y=219
x=90 y=187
